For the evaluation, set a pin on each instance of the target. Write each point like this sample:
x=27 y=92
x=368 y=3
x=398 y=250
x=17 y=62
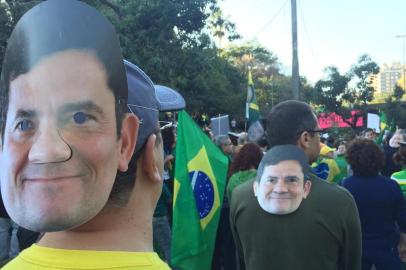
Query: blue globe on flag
x=203 y=192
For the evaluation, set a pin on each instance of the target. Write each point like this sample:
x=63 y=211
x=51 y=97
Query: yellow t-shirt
x=43 y=258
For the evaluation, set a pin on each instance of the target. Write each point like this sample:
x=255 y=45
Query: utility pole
x=403 y=62
x=295 y=61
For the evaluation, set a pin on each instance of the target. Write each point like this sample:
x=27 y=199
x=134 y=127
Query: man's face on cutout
x=61 y=152
x=282 y=188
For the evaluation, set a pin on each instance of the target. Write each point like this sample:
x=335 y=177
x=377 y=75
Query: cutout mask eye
x=80 y=117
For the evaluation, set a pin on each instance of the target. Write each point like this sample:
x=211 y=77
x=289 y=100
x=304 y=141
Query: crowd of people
x=365 y=168
x=365 y=195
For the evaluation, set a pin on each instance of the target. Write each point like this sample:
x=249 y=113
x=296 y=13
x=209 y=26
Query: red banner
x=329 y=120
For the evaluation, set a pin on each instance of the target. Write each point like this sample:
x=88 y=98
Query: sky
x=330 y=32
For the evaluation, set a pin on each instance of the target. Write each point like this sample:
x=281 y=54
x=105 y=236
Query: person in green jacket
x=318 y=235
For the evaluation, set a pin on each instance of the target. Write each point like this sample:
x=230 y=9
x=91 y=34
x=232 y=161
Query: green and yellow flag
x=384 y=126
x=252 y=109
x=200 y=179
x=383 y=121
x=255 y=129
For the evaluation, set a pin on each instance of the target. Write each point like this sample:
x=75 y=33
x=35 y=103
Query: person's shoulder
x=243 y=189
x=392 y=182
x=384 y=180
x=243 y=176
x=235 y=177
x=242 y=194
x=332 y=191
x=16 y=264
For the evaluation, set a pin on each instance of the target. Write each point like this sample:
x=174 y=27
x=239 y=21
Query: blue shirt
x=381 y=207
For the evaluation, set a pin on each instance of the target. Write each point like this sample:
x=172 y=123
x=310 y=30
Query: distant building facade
x=385 y=81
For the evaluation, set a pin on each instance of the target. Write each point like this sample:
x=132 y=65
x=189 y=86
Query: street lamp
x=403 y=64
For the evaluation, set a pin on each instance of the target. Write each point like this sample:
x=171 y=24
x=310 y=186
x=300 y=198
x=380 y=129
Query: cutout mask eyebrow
x=287 y=177
x=292 y=177
x=25 y=114
x=87 y=106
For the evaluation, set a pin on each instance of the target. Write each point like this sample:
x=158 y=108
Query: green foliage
x=395 y=109
x=361 y=72
x=398 y=93
x=221 y=27
x=271 y=86
x=342 y=93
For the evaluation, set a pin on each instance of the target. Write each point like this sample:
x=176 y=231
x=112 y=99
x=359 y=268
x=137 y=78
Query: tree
x=361 y=73
x=401 y=82
x=270 y=85
x=395 y=109
x=166 y=40
x=221 y=27
x=345 y=94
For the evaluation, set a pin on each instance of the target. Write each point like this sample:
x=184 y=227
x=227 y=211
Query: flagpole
x=295 y=61
x=248 y=101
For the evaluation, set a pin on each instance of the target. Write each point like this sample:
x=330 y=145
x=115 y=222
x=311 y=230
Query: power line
x=307 y=35
x=271 y=20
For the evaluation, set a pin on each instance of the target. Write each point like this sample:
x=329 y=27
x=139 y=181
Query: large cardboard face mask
x=55 y=26
x=282 y=183
x=63 y=76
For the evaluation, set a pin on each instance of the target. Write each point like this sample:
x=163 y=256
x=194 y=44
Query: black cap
x=146 y=100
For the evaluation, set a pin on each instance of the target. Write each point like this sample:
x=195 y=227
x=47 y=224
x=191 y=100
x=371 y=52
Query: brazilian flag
x=252 y=109
x=200 y=179
x=255 y=129
x=383 y=121
x=384 y=126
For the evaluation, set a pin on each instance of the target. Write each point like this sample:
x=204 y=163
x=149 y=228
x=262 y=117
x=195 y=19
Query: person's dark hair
x=168 y=137
x=365 y=157
x=400 y=156
x=263 y=142
x=287 y=120
x=247 y=158
x=368 y=130
x=56 y=26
